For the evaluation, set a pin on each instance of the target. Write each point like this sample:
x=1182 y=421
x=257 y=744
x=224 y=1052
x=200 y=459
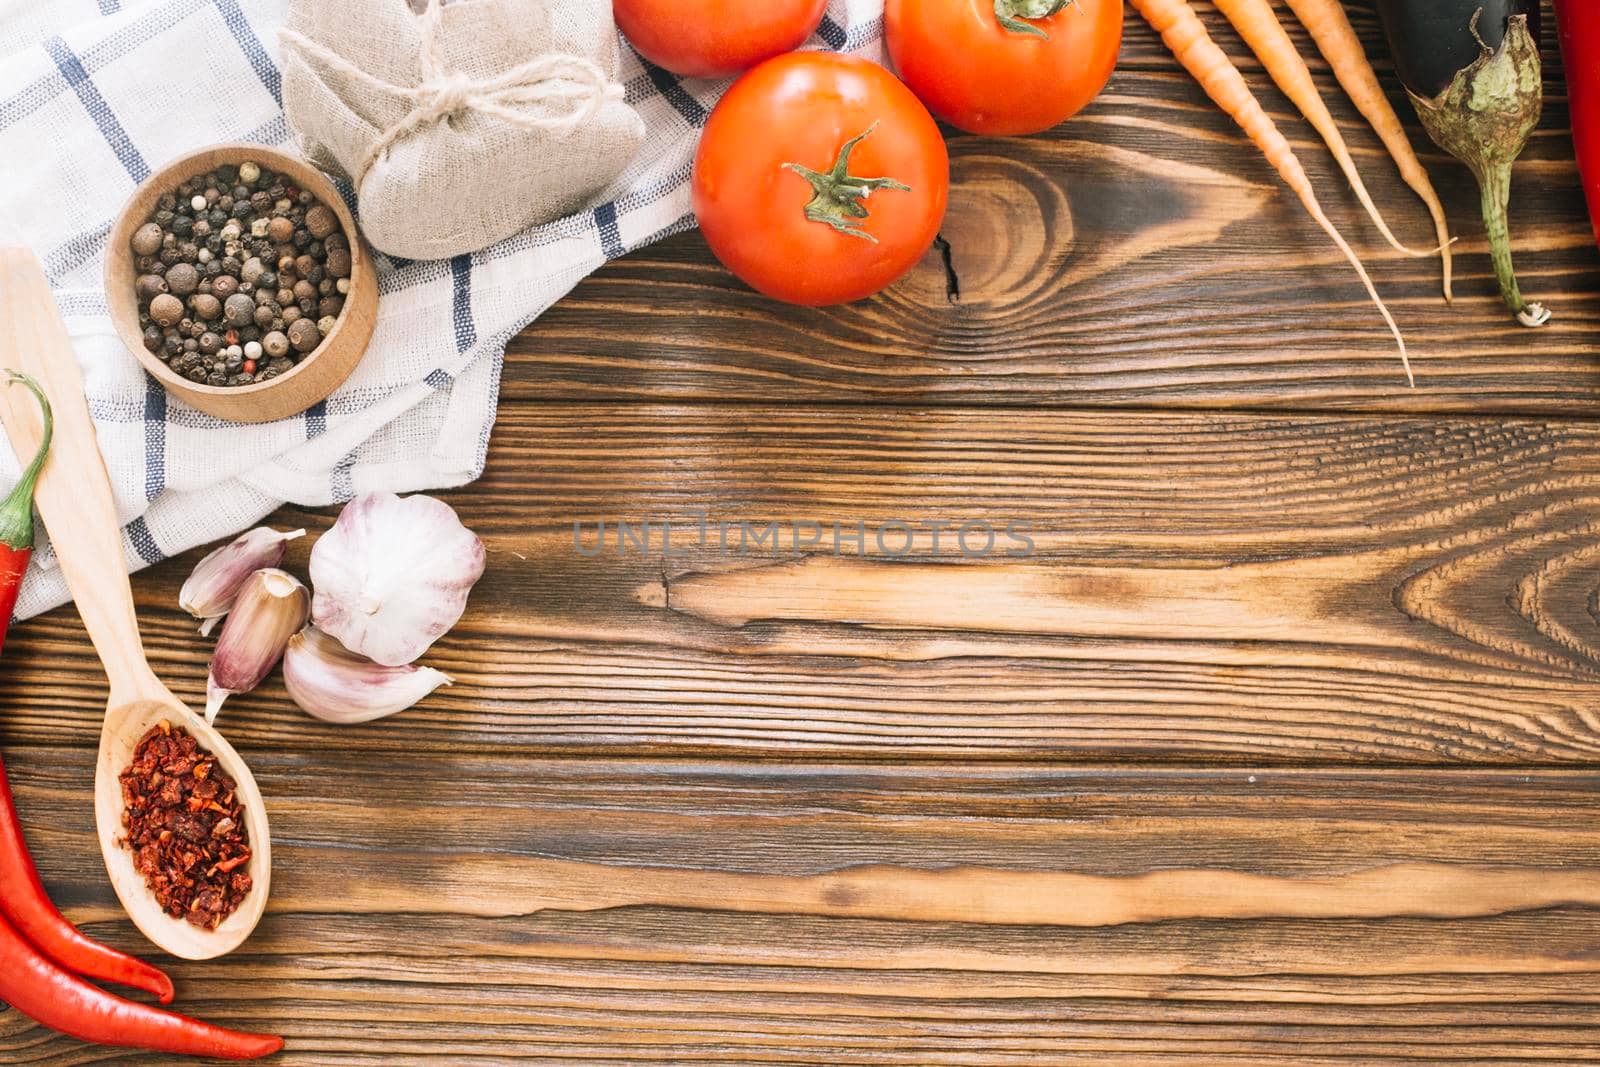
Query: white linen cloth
x=95 y=94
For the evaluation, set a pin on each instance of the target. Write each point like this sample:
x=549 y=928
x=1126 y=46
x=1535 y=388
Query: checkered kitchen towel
x=94 y=94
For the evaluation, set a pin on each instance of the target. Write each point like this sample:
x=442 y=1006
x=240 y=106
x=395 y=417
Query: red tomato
x=1016 y=76
x=716 y=38
x=779 y=209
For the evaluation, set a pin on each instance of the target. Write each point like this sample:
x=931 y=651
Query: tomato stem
x=1011 y=14
x=837 y=196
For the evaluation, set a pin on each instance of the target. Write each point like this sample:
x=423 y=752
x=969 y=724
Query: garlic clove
x=214 y=585
x=393 y=575
x=333 y=684
x=272 y=606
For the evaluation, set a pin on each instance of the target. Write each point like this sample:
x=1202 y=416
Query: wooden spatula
x=74 y=497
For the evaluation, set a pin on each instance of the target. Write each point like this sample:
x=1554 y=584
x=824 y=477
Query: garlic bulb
x=331 y=683
x=393 y=575
x=209 y=593
x=271 y=608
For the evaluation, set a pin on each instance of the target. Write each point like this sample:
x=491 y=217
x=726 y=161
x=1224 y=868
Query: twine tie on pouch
x=549 y=79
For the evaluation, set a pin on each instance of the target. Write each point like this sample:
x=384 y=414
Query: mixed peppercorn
x=185 y=827
x=239 y=275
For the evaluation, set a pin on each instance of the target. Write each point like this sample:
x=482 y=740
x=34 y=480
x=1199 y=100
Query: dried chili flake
x=184 y=827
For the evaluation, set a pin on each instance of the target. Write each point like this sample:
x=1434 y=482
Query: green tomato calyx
x=838 y=198
x=1011 y=14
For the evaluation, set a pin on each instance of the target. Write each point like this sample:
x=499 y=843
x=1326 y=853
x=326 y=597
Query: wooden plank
x=1256 y=588
x=1141 y=255
x=373 y=947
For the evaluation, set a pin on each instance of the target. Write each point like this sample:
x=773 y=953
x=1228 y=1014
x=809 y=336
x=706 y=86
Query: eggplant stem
x=1494 y=184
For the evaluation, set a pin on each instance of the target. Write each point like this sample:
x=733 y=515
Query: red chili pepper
x=55 y=998
x=24 y=904
x=16 y=514
x=23 y=901
x=1579 y=22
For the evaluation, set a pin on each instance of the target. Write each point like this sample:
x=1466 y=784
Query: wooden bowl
x=317 y=374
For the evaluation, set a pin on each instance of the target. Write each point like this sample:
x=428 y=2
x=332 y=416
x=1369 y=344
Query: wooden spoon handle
x=74 y=494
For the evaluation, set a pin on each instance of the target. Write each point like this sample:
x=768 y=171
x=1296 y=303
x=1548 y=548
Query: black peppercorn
x=303 y=335
x=238 y=309
x=166 y=309
x=146 y=239
x=321 y=221
x=182 y=278
x=231 y=272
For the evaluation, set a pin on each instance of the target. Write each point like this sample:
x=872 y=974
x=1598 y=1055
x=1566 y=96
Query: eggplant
x=1471 y=68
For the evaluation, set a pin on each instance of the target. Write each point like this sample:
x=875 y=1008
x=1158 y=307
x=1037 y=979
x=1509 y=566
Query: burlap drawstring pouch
x=461 y=125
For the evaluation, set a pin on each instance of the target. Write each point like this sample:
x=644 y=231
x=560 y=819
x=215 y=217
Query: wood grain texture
x=1143 y=254
x=357 y=929
x=1256 y=588
x=1335 y=671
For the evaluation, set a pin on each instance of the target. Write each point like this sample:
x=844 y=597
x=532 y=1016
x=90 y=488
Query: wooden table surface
x=1283 y=747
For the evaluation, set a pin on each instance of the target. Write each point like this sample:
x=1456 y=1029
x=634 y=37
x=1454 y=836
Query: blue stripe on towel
x=605 y=220
x=155 y=438
x=316 y=419
x=461 y=302
x=142 y=541
x=252 y=48
x=833 y=34
x=72 y=70
x=668 y=86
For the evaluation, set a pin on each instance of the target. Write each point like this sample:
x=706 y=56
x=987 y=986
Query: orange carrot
x=1187 y=39
x=1328 y=25
x=1258 y=24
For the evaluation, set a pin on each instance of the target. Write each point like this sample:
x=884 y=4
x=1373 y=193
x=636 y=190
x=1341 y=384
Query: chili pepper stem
x=16 y=511
x=1494 y=183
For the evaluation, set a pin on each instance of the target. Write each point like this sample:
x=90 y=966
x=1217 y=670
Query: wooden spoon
x=74 y=497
